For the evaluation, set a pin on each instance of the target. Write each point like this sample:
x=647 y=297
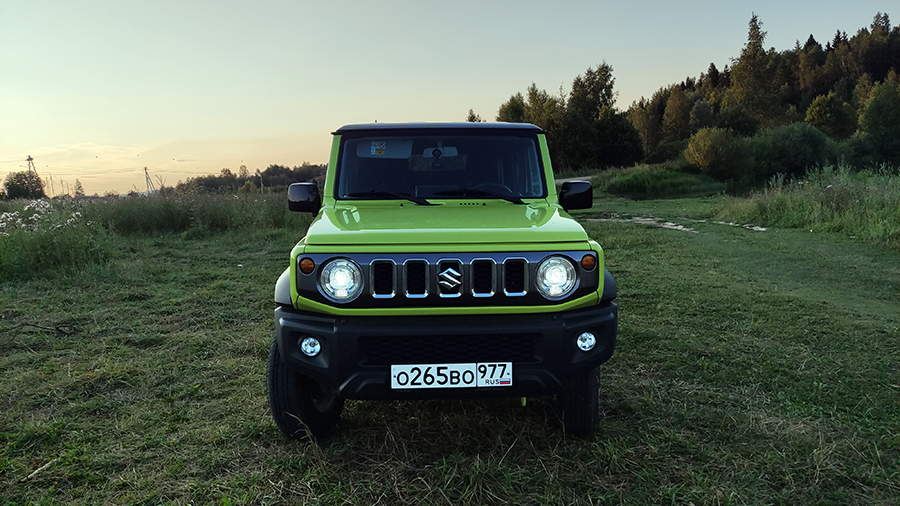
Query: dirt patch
x=669 y=225
x=653 y=222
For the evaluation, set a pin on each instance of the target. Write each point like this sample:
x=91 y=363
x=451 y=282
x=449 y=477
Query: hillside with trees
x=769 y=112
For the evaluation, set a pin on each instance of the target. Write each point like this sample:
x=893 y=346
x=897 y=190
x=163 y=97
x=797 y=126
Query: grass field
x=753 y=367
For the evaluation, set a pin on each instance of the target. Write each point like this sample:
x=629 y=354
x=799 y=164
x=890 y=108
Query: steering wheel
x=494 y=187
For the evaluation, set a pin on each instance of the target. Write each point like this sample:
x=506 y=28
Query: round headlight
x=555 y=277
x=341 y=280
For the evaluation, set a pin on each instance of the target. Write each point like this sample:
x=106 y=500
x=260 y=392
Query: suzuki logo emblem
x=450 y=279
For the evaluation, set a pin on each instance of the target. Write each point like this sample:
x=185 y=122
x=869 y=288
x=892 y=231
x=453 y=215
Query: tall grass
x=656 y=181
x=196 y=213
x=863 y=204
x=40 y=238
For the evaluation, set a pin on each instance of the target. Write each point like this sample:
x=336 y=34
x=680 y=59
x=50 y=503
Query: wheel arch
x=609 y=287
x=283 y=289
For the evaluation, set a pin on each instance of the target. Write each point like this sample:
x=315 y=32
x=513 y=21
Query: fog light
x=310 y=346
x=586 y=341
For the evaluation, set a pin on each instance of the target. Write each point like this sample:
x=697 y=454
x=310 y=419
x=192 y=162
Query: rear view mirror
x=304 y=198
x=576 y=195
x=439 y=152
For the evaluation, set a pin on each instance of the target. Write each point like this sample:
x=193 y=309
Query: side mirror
x=576 y=195
x=304 y=198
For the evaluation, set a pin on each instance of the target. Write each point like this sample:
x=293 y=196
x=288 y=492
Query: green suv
x=442 y=263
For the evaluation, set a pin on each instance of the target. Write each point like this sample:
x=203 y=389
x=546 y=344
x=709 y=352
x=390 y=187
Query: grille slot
x=514 y=276
x=483 y=278
x=416 y=278
x=383 y=278
x=381 y=350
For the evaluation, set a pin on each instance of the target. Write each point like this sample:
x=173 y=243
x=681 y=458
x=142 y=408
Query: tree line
x=28 y=185
x=842 y=99
x=274 y=176
x=584 y=129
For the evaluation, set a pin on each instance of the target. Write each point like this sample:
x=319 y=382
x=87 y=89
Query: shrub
x=791 y=150
x=718 y=153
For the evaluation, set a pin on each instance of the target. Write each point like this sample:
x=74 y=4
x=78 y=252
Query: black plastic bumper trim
x=341 y=364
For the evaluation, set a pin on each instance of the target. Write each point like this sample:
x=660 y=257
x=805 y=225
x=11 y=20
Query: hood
x=451 y=222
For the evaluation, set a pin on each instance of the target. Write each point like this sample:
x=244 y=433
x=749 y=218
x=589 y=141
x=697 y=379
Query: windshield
x=440 y=167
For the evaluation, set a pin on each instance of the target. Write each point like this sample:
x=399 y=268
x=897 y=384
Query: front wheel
x=300 y=406
x=579 y=406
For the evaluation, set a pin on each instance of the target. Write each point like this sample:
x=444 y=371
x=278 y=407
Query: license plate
x=486 y=374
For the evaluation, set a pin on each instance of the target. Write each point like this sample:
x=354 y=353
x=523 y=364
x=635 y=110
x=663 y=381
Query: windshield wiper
x=390 y=195
x=472 y=192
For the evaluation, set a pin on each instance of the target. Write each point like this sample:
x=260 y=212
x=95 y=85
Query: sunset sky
x=98 y=90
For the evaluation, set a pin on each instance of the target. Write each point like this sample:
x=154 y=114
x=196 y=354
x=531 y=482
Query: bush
x=791 y=150
x=719 y=153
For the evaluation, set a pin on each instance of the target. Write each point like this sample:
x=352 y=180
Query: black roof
x=461 y=125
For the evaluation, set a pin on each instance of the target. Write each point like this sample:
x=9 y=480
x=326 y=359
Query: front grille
x=381 y=350
x=453 y=278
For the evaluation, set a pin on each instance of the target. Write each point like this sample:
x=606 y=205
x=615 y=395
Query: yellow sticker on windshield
x=378 y=147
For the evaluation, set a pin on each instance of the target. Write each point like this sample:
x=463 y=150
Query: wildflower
x=39 y=206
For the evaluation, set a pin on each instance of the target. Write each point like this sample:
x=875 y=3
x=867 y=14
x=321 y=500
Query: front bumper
x=357 y=351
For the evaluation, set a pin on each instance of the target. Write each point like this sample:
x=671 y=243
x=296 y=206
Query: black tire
x=578 y=407
x=300 y=406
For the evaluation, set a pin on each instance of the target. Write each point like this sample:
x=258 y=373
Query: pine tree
x=753 y=78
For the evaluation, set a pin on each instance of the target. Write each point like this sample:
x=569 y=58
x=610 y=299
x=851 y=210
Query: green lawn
x=752 y=368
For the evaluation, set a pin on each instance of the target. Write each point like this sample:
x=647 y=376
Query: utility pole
x=258 y=173
x=150 y=187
